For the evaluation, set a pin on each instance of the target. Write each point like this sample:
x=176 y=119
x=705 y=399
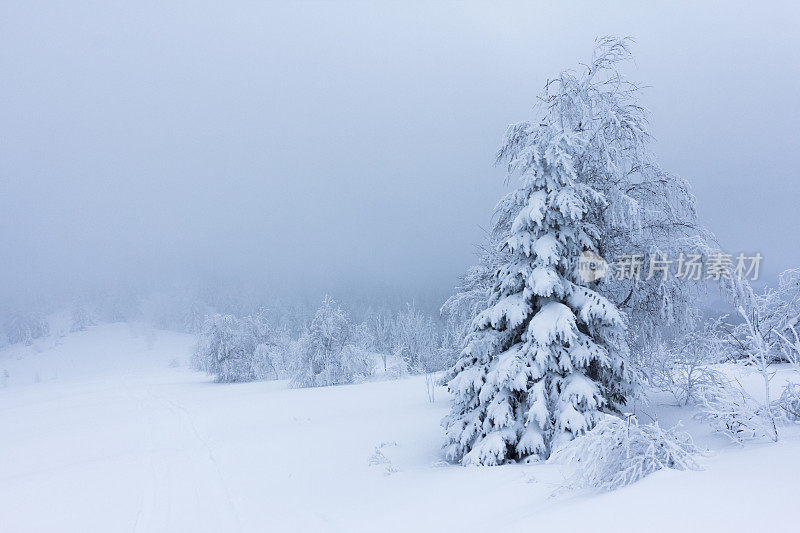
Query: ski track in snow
x=168 y=420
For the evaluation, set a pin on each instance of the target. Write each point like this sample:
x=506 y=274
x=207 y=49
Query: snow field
x=136 y=445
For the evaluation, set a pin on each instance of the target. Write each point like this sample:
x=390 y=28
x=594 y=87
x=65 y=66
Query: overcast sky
x=327 y=145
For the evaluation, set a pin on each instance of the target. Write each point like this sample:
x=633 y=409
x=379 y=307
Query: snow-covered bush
x=416 y=341
x=618 y=452
x=226 y=350
x=787 y=407
x=245 y=349
x=731 y=411
x=412 y=337
x=328 y=353
x=682 y=366
x=775 y=313
x=683 y=377
x=418 y=344
x=728 y=407
x=786 y=313
x=380 y=326
x=451 y=341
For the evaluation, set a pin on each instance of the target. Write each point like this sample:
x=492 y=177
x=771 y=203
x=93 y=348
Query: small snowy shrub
x=727 y=406
x=733 y=412
x=378 y=458
x=620 y=452
x=682 y=367
x=417 y=341
x=381 y=326
x=785 y=315
x=773 y=316
x=787 y=406
x=328 y=353
x=684 y=379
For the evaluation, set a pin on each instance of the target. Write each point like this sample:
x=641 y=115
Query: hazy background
x=349 y=147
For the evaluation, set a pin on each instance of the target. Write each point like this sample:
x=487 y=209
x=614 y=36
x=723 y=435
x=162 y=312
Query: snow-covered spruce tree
x=328 y=353
x=472 y=295
x=549 y=353
x=648 y=211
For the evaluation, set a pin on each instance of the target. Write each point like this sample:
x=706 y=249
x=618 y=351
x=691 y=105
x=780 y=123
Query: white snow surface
x=99 y=431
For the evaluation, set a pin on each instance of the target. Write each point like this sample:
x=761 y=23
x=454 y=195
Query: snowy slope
x=112 y=438
x=107 y=350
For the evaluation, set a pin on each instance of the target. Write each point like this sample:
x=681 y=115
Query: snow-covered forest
x=408 y=267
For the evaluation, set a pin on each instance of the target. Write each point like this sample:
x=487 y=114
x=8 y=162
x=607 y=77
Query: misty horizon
x=299 y=150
